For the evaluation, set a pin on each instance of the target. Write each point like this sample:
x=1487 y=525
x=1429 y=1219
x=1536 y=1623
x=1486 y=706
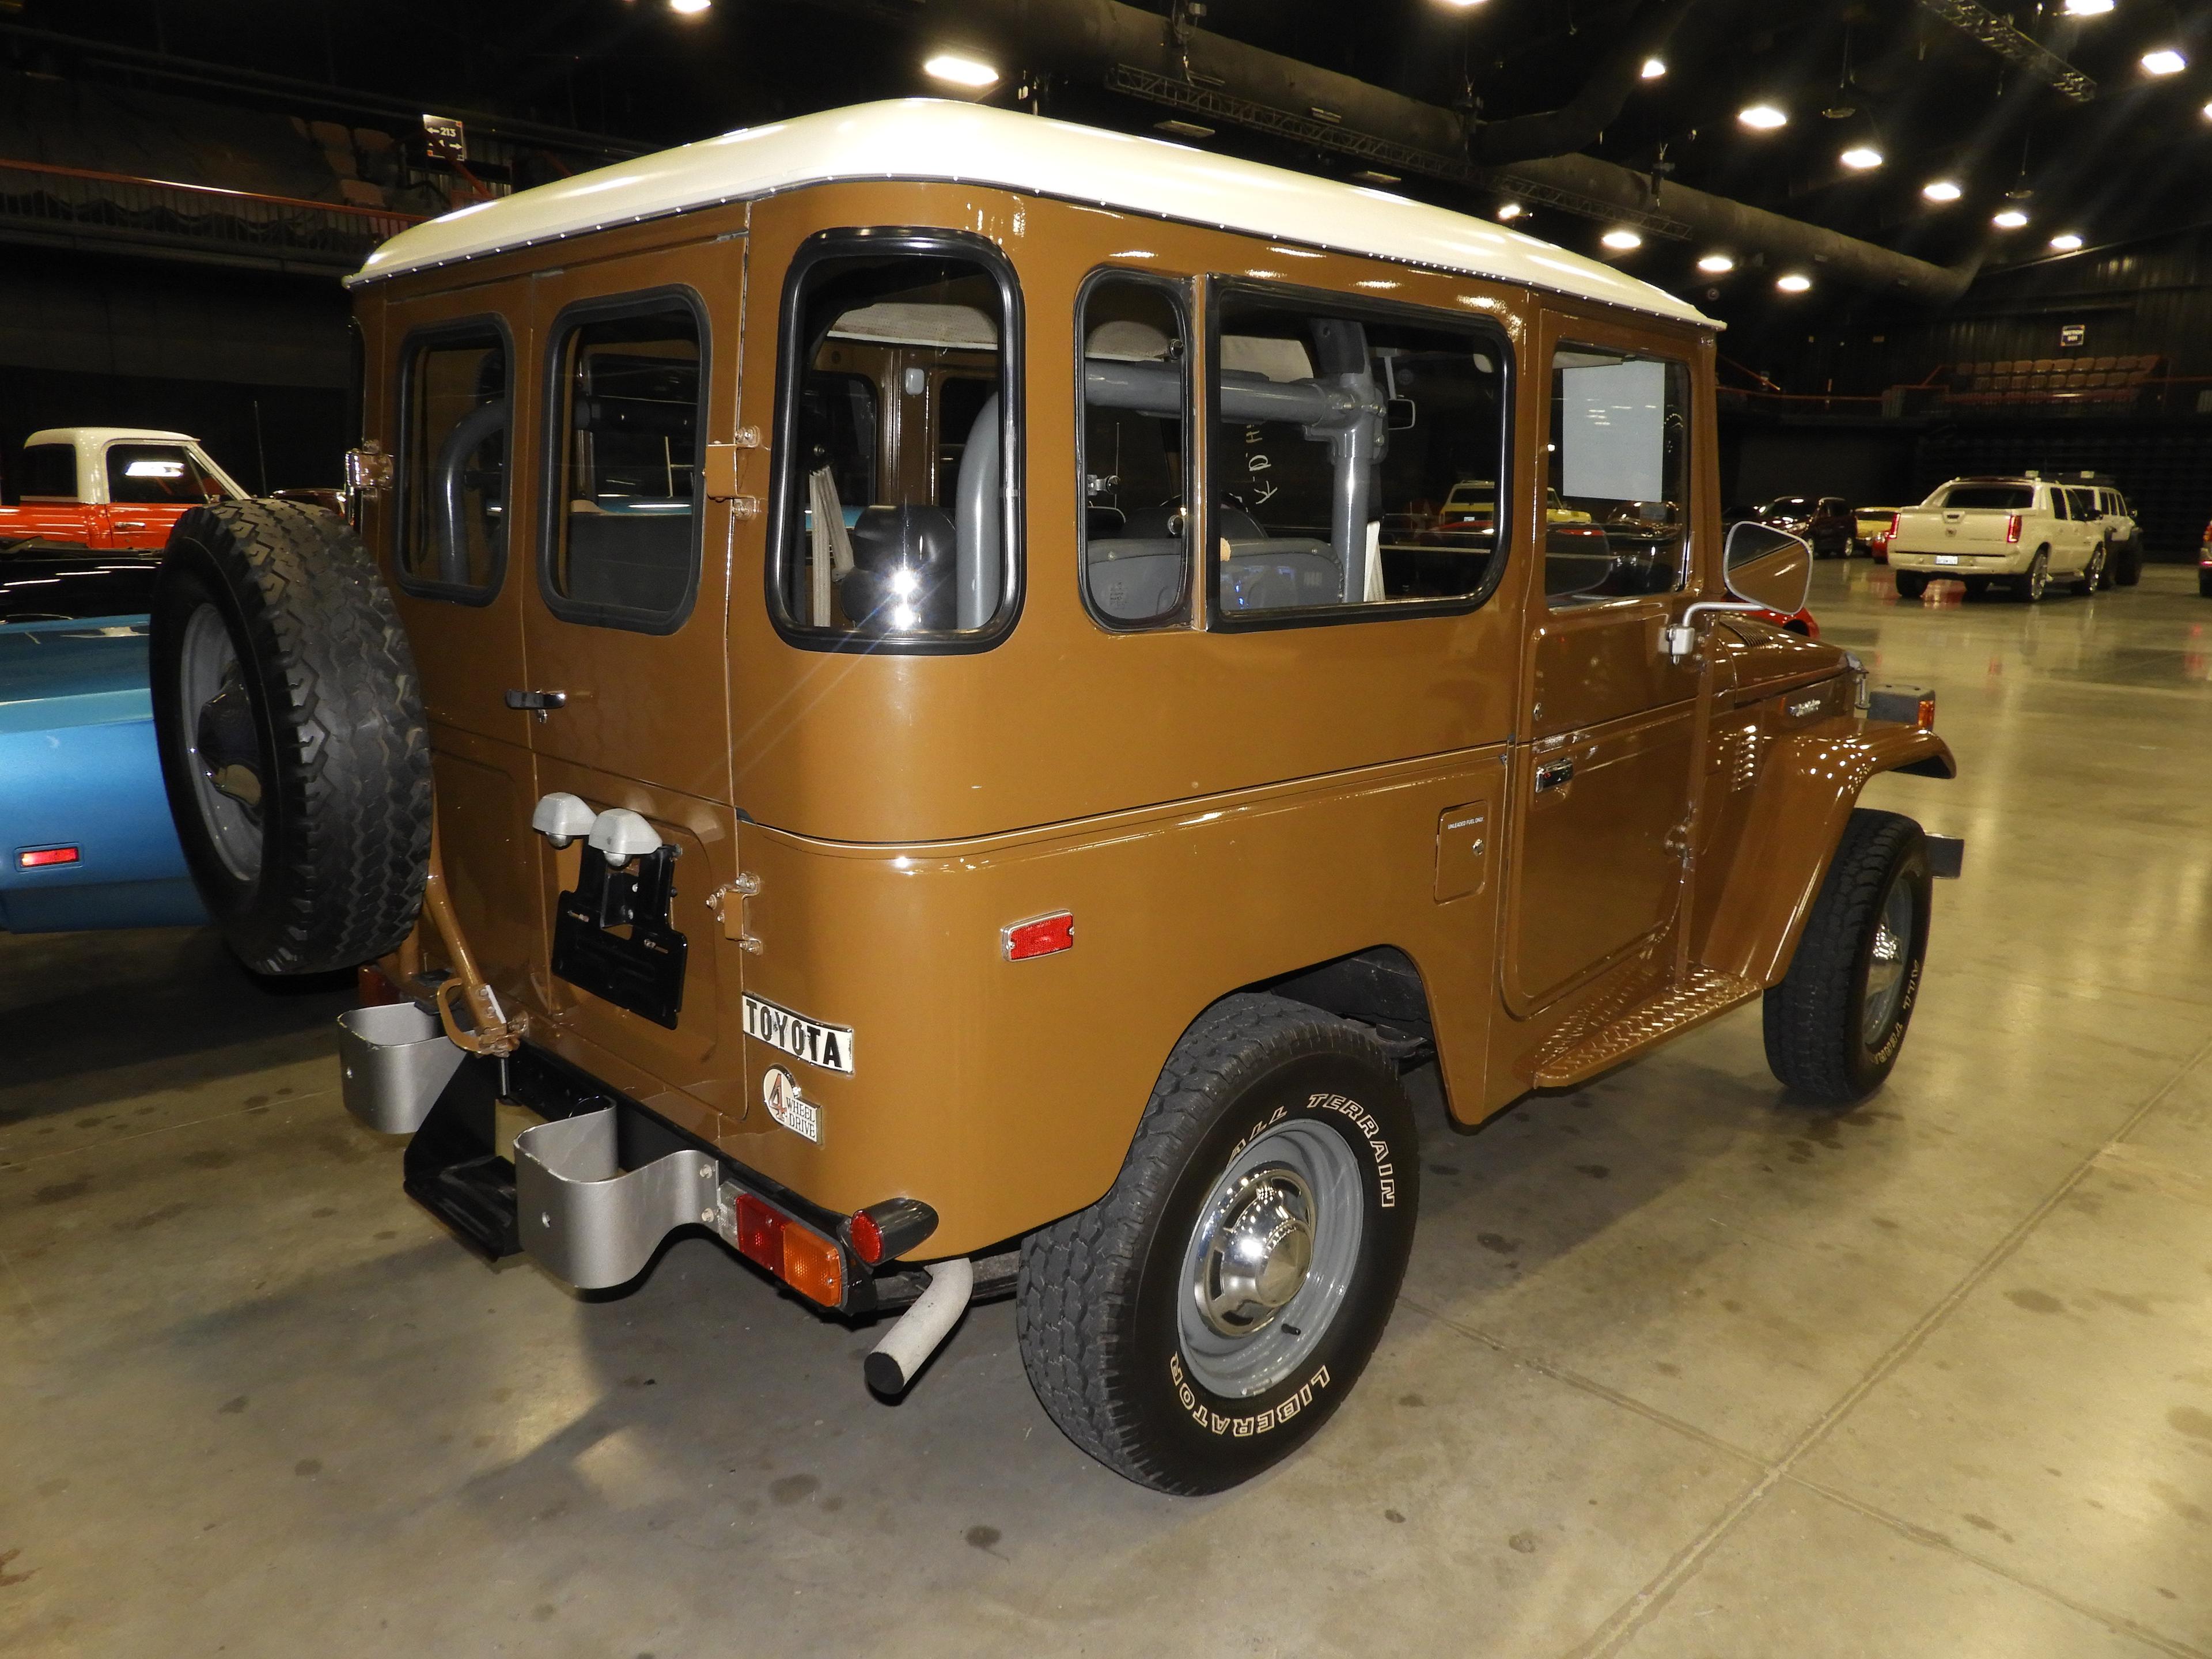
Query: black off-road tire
x=337 y=730
x=1097 y=1316
x=1910 y=584
x=1816 y=1039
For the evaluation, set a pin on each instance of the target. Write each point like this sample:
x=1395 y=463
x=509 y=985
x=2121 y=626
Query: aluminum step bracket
x=394 y=1061
x=588 y=1221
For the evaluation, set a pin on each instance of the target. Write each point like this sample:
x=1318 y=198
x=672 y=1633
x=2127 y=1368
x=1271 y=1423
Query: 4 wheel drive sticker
x=1242 y=1428
x=1363 y=1120
x=829 y=1047
x=779 y=1094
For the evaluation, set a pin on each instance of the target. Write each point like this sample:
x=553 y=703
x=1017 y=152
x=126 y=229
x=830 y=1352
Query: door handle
x=129 y=524
x=540 y=703
x=1555 y=775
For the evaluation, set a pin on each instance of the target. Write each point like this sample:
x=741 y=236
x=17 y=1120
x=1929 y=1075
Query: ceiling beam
x=1997 y=34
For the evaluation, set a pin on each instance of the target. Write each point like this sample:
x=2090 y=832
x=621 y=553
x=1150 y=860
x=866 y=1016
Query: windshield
x=2003 y=498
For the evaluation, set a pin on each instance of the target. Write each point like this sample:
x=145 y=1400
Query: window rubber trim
x=888 y=241
x=637 y=303
x=411 y=348
x=1181 y=295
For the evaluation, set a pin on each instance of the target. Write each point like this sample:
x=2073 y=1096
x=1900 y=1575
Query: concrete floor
x=1680 y=1369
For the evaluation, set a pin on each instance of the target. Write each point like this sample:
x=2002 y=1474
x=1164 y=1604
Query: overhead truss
x=1998 y=34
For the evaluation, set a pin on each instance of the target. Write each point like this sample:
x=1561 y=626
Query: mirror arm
x=1679 y=638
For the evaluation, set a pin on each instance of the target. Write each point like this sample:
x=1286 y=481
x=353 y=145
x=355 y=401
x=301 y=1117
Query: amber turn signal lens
x=1926 y=721
x=813 y=1266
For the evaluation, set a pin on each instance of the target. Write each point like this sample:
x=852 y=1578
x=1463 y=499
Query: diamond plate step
x=1577 y=1056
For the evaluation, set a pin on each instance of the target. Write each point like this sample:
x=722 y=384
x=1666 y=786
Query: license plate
x=829 y=1047
x=1946 y=558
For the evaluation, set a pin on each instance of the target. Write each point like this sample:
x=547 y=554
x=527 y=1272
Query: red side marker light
x=1039 y=936
x=867 y=1237
x=39 y=858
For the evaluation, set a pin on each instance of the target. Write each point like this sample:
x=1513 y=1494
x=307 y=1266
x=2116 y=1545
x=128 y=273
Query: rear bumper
x=593 y=1190
x=2013 y=562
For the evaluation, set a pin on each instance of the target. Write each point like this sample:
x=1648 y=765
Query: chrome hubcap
x=1270 y=1259
x=1259 y=1251
x=1891 y=954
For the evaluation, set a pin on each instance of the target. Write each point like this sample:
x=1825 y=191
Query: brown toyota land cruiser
x=902 y=682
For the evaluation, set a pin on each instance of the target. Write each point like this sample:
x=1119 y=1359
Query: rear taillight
x=2012 y=527
x=811 y=1264
x=1892 y=530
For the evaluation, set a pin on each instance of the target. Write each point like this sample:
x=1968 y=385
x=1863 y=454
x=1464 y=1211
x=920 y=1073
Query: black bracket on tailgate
x=642 y=971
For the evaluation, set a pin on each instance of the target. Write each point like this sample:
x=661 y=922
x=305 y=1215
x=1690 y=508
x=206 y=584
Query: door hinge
x=729 y=903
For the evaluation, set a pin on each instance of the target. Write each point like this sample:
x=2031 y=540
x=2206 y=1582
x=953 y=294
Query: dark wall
x=255 y=365
x=1865 y=468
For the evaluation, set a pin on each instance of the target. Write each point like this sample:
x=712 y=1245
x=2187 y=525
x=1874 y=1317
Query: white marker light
x=949 y=66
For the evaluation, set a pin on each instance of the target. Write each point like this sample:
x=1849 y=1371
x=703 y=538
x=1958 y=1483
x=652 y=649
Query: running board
x=1701 y=995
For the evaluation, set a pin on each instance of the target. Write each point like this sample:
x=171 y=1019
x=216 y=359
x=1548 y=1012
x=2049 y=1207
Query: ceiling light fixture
x=2066 y=241
x=1791 y=283
x=1622 y=241
x=689 y=8
x=951 y=66
x=1763 y=118
x=1716 y=265
x=2087 y=8
x=2165 y=61
x=2010 y=219
x=1654 y=68
x=1942 y=190
x=1462 y=5
x=1860 y=158
x=1510 y=211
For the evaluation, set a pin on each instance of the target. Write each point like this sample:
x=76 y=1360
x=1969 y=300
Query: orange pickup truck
x=110 y=487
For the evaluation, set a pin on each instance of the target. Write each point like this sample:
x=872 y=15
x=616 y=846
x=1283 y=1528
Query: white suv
x=2024 y=532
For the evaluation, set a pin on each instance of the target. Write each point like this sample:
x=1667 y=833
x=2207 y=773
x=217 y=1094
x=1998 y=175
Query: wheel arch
x=1807 y=789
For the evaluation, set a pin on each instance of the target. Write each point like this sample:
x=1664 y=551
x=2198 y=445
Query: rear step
x=1576 y=1057
x=453 y=1169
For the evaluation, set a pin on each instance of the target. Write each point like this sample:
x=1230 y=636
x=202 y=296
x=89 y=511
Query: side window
x=1355 y=458
x=158 y=474
x=1617 y=505
x=627 y=403
x=50 y=472
x=456 y=398
x=896 y=521
x=2059 y=507
x=1136 y=408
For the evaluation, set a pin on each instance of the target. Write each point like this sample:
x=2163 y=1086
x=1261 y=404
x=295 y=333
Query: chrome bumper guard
x=396 y=1061
x=588 y=1220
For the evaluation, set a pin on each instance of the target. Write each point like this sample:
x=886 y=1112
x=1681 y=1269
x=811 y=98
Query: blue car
x=86 y=839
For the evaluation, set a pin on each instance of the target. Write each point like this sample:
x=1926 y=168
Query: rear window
x=50 y=472
x=628 y=401
x=2003 y=498
x=158 y=474
x=453 y=447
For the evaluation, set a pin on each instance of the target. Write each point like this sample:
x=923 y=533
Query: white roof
x=926 y=139
x=91 y=443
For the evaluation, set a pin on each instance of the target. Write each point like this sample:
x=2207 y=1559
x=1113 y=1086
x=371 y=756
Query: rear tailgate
x=1953 y=530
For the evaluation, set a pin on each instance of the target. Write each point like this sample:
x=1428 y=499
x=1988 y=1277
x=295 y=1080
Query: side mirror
x=1401 y=414
x=1768 y=568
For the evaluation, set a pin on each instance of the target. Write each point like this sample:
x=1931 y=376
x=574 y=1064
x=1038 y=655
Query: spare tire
x=289 y=722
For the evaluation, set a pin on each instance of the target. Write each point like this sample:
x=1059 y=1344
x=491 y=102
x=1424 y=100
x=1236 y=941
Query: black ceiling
x=2134 y=159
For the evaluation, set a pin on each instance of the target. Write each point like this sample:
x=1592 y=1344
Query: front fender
x=1809 y=783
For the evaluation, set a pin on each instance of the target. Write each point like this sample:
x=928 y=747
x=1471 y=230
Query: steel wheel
x=222 y=743
x=1270 y=1260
